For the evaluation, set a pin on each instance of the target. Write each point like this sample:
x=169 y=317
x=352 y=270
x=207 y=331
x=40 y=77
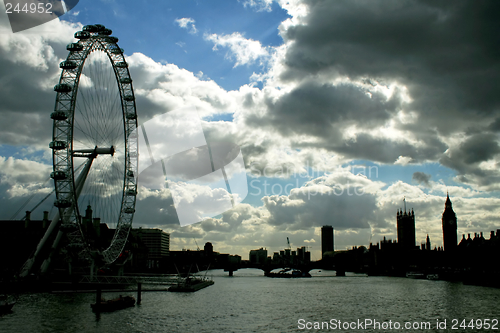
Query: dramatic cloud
x=392 y=82
x=29 y=69
x=245 y=51
x=396 y=84
x=161 y=88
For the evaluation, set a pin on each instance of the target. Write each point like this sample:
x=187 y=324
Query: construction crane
x=196 y=243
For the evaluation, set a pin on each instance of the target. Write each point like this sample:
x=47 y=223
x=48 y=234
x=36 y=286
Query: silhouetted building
x=303 y=256
x=388 y=245
x=290 y=258
x=406 y=229
x=208 y=249
x=326 y=239
x=258 y=256
x=157 y=242
x=18 y=239
x=449 y=226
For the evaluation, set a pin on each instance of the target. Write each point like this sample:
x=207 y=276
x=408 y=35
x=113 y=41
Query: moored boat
x=288 y=273
x=191 y=284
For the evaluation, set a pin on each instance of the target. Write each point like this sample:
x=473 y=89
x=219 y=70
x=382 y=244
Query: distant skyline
x=341 y=110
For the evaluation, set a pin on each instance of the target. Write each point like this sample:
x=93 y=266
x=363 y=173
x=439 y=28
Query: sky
x=341 y=109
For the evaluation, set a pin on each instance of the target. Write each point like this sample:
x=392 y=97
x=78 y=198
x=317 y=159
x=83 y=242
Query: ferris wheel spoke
x=115 y=131
x=90 y=131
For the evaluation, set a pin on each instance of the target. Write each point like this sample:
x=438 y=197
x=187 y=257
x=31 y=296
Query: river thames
x=250 y=302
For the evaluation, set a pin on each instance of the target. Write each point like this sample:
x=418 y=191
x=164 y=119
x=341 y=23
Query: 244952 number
x=33 y=8
x=475 y=324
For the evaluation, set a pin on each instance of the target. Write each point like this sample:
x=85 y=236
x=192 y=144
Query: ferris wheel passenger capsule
x=131 y=116
x=82 y=35
x=99 y=27
x=74 y=47
x=106 y=32
x=90 y=28
x=58 y=145
x=58 y=175
x=62 y=88
x=113 y=39
x=67 y=64
x=58 y=115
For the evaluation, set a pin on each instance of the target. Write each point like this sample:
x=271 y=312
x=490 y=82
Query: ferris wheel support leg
x=79 y=186
x=28 y=265
x=46 y=263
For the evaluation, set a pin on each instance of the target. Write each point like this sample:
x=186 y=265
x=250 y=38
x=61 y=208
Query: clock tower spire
x=449 y=221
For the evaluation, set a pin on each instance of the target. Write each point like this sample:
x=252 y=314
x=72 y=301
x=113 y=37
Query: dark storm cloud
x=495 y=125
x=480 y=145
x=26 y=106
x=478 y=148
x=445 y=52
x=470 y=152
x=466 y=159
x=321 y=204
x=421 y=178
x=408 y=40
x=386 y=150
x=446 y=55
x=368 y=147
x=314 y=108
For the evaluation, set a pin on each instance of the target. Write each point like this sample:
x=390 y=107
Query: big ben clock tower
x=449 y=226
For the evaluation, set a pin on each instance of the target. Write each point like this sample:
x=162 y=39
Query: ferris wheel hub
x=92 y=153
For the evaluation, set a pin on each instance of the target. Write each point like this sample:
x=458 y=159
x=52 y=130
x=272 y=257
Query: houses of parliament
x=406 y=232
x=469 y=260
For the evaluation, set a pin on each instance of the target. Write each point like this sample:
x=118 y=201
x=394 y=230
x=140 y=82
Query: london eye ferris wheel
x=94 y=144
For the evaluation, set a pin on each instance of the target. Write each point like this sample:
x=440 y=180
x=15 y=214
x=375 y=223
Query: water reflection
x=250 y=302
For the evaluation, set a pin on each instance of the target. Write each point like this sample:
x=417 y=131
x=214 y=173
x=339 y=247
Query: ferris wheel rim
x=92 y=38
